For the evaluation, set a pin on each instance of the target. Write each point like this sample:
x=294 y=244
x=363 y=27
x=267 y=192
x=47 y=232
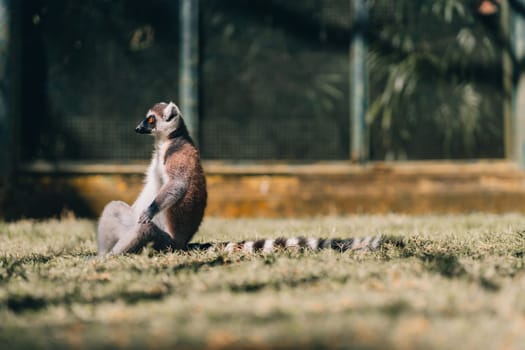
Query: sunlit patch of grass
x=436 y=282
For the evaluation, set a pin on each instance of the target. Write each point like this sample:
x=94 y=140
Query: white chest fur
x=161 y=167
x=156 y=177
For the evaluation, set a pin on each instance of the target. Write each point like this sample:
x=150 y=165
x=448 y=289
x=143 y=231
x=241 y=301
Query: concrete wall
x=284 y=190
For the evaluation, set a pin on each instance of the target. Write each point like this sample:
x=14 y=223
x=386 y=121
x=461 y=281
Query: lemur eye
x=151 y=119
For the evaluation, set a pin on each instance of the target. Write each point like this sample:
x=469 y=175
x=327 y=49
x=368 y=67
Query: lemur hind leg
x=117 y=221
x=119 y=233
x=143 y=235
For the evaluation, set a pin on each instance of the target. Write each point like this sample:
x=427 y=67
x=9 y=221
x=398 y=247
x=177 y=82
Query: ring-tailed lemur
x=170 y=207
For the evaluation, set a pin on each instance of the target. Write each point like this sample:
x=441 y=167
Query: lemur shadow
x=447 y=265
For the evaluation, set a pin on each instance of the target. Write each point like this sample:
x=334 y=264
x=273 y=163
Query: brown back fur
x=184 y=217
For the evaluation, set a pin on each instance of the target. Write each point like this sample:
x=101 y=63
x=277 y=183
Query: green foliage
x=439 y=281
x=432 y=70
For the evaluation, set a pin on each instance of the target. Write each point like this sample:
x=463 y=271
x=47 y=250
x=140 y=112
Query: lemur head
x=161 y=120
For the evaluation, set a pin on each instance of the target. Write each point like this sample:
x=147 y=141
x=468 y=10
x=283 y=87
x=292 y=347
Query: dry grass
x=441 y=282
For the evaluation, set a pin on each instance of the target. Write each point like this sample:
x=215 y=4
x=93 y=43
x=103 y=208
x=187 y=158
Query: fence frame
x=6 y=132
x=517 y=47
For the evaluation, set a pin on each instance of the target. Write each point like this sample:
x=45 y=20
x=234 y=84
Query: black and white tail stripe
x=272 y=245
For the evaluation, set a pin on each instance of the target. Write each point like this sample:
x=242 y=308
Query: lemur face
x=162 y=119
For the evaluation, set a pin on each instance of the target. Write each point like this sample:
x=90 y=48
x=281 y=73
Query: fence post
x=518 y=97
x=508 y=137
x=189 y=65
x=5 y=123
x=358 y=81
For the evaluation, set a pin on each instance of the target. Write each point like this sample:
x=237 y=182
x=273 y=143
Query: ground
x=440 y=282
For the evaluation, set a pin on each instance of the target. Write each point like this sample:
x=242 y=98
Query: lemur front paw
x=145 y=217
x=148 y=214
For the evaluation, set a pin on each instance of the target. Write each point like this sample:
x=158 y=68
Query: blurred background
x=313 y=107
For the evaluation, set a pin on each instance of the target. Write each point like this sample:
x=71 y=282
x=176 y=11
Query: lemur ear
x=170 y=111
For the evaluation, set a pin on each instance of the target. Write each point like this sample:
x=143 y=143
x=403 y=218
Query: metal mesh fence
x=274 y=78
x=275 y=81
x=90 y=71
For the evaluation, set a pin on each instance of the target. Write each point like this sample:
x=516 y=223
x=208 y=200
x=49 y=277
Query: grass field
x=449 y=282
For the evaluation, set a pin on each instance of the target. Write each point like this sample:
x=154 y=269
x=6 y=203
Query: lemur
x=170 y=207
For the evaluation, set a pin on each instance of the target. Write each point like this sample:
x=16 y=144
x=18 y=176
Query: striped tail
x=279 y=244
